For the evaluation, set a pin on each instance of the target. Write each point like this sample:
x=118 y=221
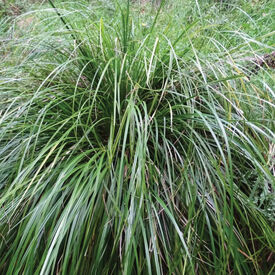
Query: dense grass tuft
x=131 y=149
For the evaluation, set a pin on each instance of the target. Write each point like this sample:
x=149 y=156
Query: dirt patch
x=25 y=22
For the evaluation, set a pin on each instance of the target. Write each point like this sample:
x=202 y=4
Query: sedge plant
x=126 y=151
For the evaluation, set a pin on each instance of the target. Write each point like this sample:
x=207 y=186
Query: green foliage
x=131 y=146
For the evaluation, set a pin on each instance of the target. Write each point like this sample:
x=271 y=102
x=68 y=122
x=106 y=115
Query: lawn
x=137 y=137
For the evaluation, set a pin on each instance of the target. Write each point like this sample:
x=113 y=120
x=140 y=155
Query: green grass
x=133 y=141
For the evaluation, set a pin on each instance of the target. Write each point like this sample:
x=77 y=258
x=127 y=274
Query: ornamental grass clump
x=126 y=151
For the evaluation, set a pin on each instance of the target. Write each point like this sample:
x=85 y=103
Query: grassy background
x=136 y=139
